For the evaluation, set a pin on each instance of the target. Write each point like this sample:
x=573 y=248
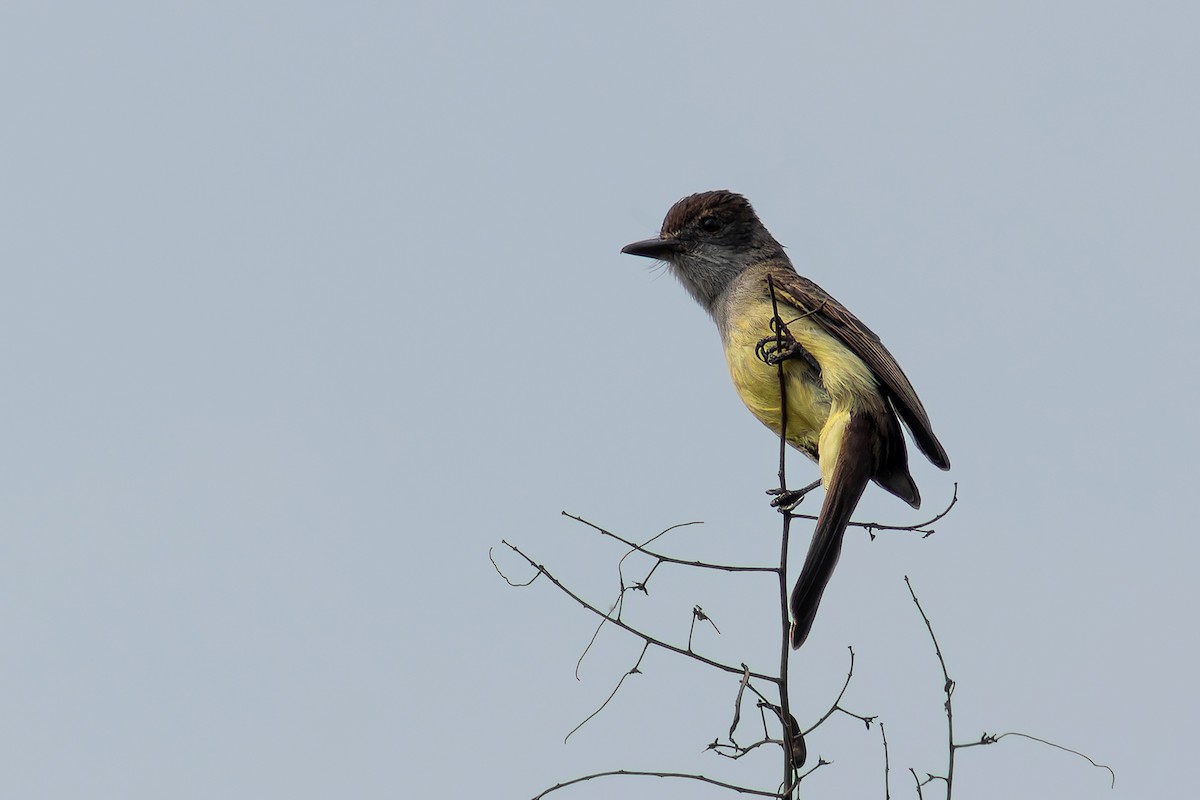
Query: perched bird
x=846 y=395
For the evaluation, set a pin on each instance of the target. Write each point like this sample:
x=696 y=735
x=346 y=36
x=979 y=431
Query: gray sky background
x=306 y=306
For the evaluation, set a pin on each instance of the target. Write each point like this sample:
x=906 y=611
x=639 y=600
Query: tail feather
x=893 y=473
x=853 y=471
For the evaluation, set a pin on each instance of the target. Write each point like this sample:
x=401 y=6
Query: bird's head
x=707 y=239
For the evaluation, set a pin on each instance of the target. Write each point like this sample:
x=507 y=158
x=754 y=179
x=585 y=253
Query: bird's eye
x=710 y=224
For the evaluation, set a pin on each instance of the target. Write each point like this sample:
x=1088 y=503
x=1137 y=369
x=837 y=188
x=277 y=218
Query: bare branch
x=917 y=781
x=683 y=775
x=625 y=626
x=618 y=606
x=793 y=743
x=820 y=763
x=781 y=331
x=988 y=738
x=634 y=671
x=642 y=585
x=795 y=750
x=738 y=750
x=920 y=527
x=495 y=566
x=641 y=548
x=887 y=787
x=948 y=687
x=595 y=635
x=837 y=704
x=737 y=704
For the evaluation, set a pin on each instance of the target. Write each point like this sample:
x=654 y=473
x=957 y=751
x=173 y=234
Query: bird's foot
x=782 y=346
x=787 y=500
x=776 y=349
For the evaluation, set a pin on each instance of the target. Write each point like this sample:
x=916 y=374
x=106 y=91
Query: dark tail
x=854 y=468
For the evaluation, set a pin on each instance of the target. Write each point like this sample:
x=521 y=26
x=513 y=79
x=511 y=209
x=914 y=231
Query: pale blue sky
x=305 y=306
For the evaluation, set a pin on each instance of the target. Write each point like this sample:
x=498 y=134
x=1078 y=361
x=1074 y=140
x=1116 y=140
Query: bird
x=846 y=395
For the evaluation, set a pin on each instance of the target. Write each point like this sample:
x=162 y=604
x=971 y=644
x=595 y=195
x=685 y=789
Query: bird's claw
x=774 y=350
x=788 y=499
x=779 y=346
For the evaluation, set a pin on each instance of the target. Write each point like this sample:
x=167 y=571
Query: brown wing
x=838 y=321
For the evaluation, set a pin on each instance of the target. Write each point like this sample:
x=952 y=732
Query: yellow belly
x=818 y=405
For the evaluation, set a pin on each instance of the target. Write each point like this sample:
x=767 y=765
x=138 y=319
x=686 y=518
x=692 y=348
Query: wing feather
x=839 y=322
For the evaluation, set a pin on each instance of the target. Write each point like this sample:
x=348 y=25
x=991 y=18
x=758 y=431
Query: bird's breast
x=815 y=394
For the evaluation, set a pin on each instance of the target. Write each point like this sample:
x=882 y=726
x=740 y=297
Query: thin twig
x=495 y=566
x=917 y=781
x=621 y=624
x=698 y=615
x=988 y=738
x=617 y=606
x=737 y=703
x=948 y=687
x=887 y=786
x=634 y=671
x=641 y=548
x=837 y=704
x=780 y=329
x=738 y=750
x=793 y=751
x=722 y=784
x=920 y=527
x=820 y=763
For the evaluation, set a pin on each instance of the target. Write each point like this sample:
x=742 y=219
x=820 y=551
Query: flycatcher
x=846 y=395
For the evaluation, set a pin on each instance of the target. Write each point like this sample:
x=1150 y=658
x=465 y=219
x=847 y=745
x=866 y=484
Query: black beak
x=661 y=249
